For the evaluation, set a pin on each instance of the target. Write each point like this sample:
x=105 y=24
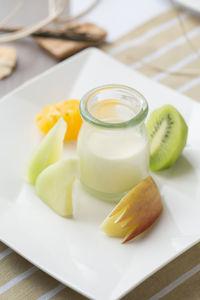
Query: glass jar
x=113 y=145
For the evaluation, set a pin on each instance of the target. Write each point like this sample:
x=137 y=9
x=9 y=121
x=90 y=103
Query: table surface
x=162 y=53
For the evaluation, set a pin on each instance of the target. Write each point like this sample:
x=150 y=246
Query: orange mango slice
x=68 y=110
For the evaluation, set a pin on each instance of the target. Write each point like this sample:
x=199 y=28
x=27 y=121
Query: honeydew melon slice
x=48 y=152
x=54 y=186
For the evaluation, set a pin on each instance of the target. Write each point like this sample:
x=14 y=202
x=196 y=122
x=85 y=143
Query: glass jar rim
x=137 y=119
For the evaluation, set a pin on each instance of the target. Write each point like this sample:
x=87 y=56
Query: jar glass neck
x=113 y=106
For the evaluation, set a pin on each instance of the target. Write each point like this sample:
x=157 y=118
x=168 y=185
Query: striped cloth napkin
x=166 y=50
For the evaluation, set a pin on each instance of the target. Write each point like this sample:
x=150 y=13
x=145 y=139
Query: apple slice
x=54 y=186
x=48 y=152
x=136 y=211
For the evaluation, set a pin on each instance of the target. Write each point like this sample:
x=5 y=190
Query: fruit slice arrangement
x=168 y=134
x=137 y=211
x=53 y=178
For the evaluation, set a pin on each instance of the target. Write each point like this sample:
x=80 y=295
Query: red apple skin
x=144 y=205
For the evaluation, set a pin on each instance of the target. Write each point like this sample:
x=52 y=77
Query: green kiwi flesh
x=168 y=135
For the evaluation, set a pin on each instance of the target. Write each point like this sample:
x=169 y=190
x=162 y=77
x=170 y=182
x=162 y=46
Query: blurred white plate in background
x=191 y=4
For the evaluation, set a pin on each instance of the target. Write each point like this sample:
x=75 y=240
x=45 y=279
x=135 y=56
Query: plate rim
x=48 y=71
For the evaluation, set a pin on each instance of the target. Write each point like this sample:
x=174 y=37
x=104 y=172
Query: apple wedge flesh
x=48 y=152
x=114 y=229
x=135 y=212
x=54 y=186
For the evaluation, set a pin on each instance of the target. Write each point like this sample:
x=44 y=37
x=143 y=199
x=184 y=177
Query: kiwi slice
x=168 y=134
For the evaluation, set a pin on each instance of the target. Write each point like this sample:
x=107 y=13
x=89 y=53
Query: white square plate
x=75 y=251
x=190 y=4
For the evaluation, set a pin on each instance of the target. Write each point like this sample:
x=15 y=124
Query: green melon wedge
x=54 y=186
x=48 y=152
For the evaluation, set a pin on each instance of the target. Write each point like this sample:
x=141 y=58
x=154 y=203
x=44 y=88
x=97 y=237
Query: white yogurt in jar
x=113 y=145
x=112 y=162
